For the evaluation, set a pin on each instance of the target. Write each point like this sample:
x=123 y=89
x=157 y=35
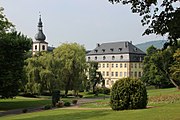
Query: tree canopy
x=13 y=46
x=161 y=16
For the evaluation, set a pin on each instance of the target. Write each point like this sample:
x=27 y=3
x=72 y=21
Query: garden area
x=163 y=104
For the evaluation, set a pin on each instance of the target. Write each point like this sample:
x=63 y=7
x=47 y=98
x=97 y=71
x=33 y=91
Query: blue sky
x=86 y=22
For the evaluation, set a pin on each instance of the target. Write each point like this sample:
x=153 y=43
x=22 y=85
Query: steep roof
x=116 y=48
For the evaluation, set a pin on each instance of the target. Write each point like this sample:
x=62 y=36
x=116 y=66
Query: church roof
x=40 y=35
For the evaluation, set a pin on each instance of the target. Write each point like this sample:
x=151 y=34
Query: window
x=125 y=74
x=43 y=47
x=121 y=65
x=125 y=65
x=120 y=49
x=95 y=58
x=131 y=65
x=104 y=57
x=116 y=65
x=107 y=65
x=95 y=51
x=103 y=73
x=99 y=65
x=135 y=65
x=139 y=74
x=103 y=50
x=120 y=74
x=89 y=58
x=35 y=47
x=112 y=82
x=135 y=74
x=112 y=73
x=116 y=74
x=131 y=74
x=112 y=65
x=121 y=57
x=139 y=65
x=103 y=65
x=113 y=57
x=107 y=73
x=112 y=49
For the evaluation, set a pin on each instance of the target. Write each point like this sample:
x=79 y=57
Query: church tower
x=39 y=44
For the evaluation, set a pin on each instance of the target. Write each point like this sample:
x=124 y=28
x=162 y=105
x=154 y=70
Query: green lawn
x=160 y=112
x=165 y=105
x=22 y=102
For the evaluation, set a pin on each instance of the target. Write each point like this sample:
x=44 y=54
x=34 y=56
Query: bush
x=74 y=102
x=47 y=107
x=104 y=90
x=60 y=104
x=67 y=104
x=128 y=93
x=24 y=110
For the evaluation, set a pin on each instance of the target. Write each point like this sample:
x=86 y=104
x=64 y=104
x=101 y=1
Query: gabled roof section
x=116 y=48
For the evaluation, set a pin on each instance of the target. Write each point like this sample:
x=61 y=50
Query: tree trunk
x=172 y=81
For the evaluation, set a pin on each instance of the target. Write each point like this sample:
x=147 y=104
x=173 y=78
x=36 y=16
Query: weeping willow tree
x=41 y=74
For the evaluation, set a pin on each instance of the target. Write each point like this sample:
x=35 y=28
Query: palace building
x=117 y=60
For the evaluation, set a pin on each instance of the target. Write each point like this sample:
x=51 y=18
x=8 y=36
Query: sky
x=86 y=22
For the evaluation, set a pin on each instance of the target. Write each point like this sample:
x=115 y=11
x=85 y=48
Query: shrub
x=67 y=104
x=74 y=102
x=47 y=107
x=128 y=93
x=24 y=110
x=60 y=104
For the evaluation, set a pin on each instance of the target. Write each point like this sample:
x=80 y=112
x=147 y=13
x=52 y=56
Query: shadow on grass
x=10 y=105
x=69 y=115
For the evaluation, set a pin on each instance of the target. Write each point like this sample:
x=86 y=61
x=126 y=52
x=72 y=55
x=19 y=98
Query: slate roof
x=116 y=48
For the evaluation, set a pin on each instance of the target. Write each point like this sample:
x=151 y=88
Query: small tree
x=128 y=93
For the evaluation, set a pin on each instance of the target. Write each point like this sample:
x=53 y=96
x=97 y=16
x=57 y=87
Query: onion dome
x=40 y=35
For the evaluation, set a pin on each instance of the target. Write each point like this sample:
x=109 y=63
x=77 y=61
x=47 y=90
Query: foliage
x=55 y=97
x=41 y=74
x=128 y=93
x=71 y=58
x=67 y=104
x=152 y=75
x=47 y=107
x=103 y=90
x=13 y=47
x=162 y=17
x=74 y=102
x=5 y=25
x=95 y=77
x=175 y=67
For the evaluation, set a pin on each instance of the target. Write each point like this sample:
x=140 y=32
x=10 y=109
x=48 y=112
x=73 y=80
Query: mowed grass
x=164 y=105
x=161 y=112
x=22 y=102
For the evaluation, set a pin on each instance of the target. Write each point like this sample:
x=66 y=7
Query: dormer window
x=103 y=50
x=96 y=51
x=95 y=58
x=104 y=57
x=121 y=57
x=135 y=49
x=120 y=49
x=113 y=57
x=112 y=49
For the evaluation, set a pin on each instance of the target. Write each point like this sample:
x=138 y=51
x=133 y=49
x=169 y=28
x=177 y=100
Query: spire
x=40 y=35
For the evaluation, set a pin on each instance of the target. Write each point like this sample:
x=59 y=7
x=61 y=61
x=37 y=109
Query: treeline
x=162 y=67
